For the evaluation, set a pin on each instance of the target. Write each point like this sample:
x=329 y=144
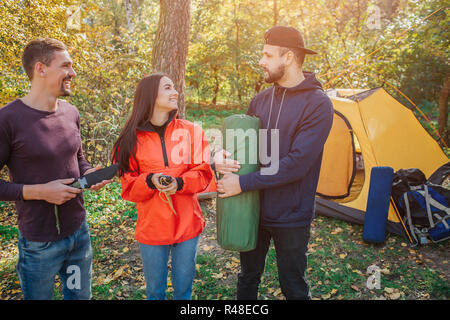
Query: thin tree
x=444 y=130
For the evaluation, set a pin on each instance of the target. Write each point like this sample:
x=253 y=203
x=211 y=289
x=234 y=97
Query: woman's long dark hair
x=143 y=106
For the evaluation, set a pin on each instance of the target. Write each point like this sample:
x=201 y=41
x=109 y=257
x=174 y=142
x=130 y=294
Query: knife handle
x=95 y=177
x=100 y=175
x=75 y=184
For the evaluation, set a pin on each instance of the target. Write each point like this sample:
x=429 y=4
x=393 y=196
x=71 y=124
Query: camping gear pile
x=373 y=126
x=424 y=204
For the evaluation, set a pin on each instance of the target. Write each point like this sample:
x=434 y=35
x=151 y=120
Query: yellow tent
x=387 y=134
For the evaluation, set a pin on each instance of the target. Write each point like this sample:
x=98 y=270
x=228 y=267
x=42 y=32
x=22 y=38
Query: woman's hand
x=170 y=189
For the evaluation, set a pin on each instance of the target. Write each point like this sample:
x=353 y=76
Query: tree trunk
x=444 y=130
x=171 y=44
x=238 y=54
x=275 y=13
x=216 y=86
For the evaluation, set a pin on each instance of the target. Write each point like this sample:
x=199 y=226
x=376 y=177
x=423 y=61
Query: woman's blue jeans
x=155 y=260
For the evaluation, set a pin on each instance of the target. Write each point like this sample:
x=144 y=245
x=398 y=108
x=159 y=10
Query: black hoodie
x=288 y=187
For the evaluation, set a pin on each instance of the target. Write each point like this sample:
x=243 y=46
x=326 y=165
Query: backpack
x=424 y=206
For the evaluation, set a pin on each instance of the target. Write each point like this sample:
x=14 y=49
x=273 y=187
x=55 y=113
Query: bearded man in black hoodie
x=302 y=114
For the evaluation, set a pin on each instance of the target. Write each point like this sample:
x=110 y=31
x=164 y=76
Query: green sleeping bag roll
x=238 y=216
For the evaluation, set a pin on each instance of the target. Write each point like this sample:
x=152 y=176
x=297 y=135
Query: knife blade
x=95 y=177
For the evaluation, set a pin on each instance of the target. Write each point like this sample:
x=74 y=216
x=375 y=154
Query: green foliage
x=225 y=47
x=108 y=59
x=338 y=260
x=8 y=232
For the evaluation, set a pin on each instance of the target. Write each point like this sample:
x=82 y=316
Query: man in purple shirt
x=40 y=144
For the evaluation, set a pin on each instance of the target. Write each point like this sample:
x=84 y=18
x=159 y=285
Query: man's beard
x=276 y=75
x=65 y=92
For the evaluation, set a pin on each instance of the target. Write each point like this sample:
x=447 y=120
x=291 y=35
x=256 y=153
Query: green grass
x=7 y=233
x=338 y=259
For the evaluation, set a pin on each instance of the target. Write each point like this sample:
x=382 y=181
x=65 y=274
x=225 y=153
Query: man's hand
x=56 y=192
x=229 y=185
x=170 y=189
x=99 y=185
x=224 y=165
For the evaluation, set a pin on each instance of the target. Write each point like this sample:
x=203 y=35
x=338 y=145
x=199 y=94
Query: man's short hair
x=40 y=50
x=298 y=54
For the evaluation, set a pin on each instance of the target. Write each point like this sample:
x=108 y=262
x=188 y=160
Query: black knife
x=95 y=177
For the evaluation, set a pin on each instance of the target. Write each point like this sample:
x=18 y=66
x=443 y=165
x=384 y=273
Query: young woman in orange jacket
x=163 y=163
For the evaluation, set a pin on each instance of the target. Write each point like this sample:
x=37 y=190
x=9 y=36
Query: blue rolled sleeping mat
x=378 y=204
x=237 y=217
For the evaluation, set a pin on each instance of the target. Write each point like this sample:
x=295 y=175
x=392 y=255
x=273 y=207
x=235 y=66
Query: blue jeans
x=71 y=258
x=155 y=260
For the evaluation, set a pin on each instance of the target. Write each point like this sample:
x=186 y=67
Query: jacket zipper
x=163 y=145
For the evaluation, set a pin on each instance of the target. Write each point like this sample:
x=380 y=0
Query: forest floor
x=340 y=264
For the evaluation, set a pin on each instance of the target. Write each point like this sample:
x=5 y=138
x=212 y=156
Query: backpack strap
x=408 y=217
x=427 y=197
x=429 y=200
x=442 y=219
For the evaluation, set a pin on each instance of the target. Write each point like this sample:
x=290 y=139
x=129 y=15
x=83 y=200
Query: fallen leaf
x=234 y=259
x=217 y=275
x=388 y=290
x=277 y=292
x=385 y=271
x=337 y=230
x=395 y=295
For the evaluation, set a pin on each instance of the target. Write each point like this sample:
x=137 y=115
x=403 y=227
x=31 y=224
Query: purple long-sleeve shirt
x=39 y=147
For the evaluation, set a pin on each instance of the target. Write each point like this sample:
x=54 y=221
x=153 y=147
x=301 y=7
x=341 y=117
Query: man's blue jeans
x=155 y=260
x=71 y=258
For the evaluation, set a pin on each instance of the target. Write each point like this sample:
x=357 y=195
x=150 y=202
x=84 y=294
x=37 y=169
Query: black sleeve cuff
x=149 y=181
x=180 y=183
x=213 y=166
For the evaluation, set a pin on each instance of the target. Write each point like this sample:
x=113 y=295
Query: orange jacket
x=183 y=152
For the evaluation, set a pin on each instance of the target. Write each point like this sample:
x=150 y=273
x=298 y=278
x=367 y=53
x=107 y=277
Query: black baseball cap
x=286 y=37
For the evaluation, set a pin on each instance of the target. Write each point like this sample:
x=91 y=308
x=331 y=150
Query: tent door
x=338 y=168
